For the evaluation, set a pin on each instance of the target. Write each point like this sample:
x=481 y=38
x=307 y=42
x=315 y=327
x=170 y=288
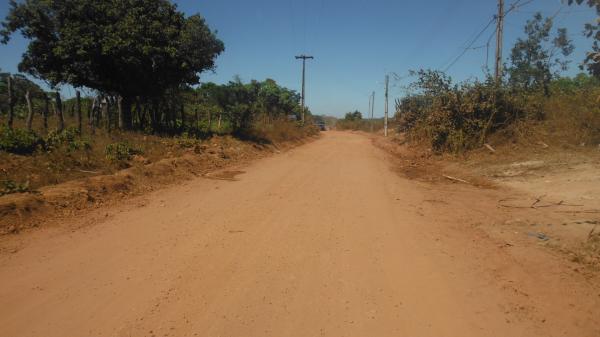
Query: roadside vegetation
x=532 y=102
x=133 y=72
x=354 y=121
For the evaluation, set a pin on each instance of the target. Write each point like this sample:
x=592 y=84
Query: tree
x=534 y=62
x=592 y=60
x=353 y=116
x=129 y=48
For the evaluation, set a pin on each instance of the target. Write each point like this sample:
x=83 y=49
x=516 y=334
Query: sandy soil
x=323 y=240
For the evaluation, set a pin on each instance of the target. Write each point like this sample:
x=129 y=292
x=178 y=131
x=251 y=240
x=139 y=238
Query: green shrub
x=121 y=151
x=186 y=141
x=10 y=186
x=18 y=141
x=456 y=118
x=68 y=138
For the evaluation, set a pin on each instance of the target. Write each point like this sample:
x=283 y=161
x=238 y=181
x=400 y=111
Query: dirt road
x=323 y=240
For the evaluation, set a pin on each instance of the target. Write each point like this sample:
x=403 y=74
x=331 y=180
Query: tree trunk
x=182 y=118
x=106 y=112
x=46 y=111
x=154 y=116
x=138 y=112
x=197 y=116
x=120 y=117
x=11 y=104
x=172 y=117
x=219 y=121
x=29 y=110
x=78 y=111
x=143 y=112
x=126 y=104
x=209 y=120
x=59 y=112
x=92 y=116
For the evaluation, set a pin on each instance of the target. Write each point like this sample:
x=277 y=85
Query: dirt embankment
x=20 y=211
x=544 y=194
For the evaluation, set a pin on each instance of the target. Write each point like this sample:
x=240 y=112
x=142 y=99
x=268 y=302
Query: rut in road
x=323 y=240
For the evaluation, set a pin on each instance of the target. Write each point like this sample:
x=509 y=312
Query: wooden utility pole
x=304 y=58
x=499 y=37
x=385 y=119
x=372 y=108
x=369 y=112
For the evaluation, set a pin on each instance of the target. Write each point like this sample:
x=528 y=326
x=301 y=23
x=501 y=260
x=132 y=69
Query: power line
x=487 y=51
x=471 y=43
x=557 y=12
x=517 y=5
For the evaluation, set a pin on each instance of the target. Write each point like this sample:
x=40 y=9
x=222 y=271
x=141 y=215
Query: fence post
x=29 y=110
x=59 y=112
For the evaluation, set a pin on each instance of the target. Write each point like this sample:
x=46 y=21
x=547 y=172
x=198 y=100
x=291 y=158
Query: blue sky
x=355 y=43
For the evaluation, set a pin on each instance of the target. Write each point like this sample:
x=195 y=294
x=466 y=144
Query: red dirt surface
x=323 y=240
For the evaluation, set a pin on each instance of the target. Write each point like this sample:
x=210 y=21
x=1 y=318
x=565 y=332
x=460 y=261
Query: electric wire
x=470 y=44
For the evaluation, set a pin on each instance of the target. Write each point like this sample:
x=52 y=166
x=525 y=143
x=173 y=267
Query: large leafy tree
x=592 y=30
x=130 y=48
x=536 y=59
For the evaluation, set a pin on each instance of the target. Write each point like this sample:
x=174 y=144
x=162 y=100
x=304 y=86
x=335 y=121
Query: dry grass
x=360 y=125
x=61 y=164
x=282 y=131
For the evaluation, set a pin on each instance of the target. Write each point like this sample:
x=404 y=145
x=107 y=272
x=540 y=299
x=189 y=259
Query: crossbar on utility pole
x=499 y=38
x=304 y=58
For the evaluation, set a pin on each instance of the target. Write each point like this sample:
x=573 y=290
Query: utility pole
x=372 y=108
x=499 y=37
x=385 y=120
x=304 y=58
x=369 y=110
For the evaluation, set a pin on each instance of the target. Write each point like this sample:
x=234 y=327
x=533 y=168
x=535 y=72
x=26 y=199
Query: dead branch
x=456 y=179
x=511 y=206
x=537 y=200
x=536 y=205
x=589 y=211
x=84 y=171
x=489 y=147
x=591 y=233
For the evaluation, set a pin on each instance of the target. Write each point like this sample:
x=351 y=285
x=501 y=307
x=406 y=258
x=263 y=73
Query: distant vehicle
x=321 y=126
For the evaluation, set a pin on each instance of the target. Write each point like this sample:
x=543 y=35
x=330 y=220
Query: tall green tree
x=592 y=30
x=537 y=58
x=129 y=48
